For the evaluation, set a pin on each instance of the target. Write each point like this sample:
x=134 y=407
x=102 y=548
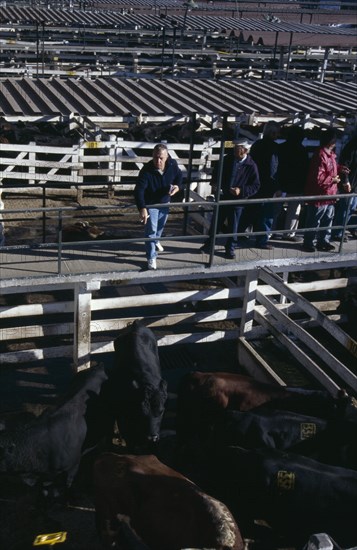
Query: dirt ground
x=120 y=221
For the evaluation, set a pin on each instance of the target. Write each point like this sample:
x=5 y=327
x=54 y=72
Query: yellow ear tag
x=50 y=538
x=307 y=429
x=285 y=480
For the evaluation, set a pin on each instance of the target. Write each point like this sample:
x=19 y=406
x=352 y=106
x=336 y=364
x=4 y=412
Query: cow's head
x=140 y=425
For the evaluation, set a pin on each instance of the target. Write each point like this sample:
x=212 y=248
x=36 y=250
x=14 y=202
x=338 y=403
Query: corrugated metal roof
x=116 y=97
x=12 y=15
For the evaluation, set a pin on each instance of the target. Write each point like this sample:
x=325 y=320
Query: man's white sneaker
x=159 y=247
x=152 y=264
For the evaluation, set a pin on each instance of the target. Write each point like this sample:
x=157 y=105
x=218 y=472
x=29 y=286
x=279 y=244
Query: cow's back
x=295 y=494
x=166 y=509
x=136 y=352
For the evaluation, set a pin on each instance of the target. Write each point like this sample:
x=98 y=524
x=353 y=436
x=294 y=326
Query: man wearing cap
x=240 y=180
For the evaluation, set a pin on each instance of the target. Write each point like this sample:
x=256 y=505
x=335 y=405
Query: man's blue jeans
x=318 y=217
x=154 y=228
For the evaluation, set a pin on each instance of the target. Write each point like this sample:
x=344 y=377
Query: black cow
x=265 y=428
x=131 y=392
x=296 y=495
x=142 y=392
x=331 y=442
x=51 y=445
x=201 y=395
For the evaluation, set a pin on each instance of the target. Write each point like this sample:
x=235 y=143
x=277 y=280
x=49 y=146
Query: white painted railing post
x=32 y=160
x=2 y=225
x=111 y=166
x=118 y=164
x=82 y=321
x=251 y=283
x=81 y=152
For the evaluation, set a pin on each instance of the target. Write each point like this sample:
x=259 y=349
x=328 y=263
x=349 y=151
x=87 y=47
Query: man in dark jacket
x=265 y=154
x=240 y=180
x=292 y=173
x=158 y=181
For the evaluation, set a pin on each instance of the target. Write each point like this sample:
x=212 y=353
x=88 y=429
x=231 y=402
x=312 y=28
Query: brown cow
x=202 y=395
x=158 y=506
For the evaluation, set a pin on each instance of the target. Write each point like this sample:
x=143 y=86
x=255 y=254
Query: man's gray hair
x=160 y=147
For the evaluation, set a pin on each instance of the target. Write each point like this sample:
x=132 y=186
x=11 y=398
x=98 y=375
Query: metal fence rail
x=201 y=211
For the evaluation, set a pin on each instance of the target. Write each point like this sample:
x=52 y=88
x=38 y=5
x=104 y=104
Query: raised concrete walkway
x=181 y=259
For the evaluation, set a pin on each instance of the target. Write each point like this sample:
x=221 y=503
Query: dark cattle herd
x=249 y=464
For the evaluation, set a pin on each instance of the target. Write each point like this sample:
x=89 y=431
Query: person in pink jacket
x=322 y=179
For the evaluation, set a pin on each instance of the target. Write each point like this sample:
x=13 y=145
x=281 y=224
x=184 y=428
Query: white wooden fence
x=114 y=164
x=258 y=305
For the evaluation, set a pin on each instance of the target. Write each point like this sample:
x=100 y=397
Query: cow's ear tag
x=135 y=384
x=50 y=539
x=285 y=480
x=307 y=429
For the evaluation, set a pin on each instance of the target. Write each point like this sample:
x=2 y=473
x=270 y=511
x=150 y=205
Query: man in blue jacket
x=240 y=180
x=158 y=181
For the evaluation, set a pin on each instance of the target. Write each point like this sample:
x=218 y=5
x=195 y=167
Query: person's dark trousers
x=249 y=215
x=233 y=216
x=223 y=214
x=264 y=222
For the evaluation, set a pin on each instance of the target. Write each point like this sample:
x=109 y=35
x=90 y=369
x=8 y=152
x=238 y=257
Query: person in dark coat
x=158 y=181
x=292 y=173
x=264 y=152
x=240 y=180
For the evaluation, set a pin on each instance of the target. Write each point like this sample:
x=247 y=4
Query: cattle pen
x=282 y=316
x=246 y=318
x=99 y=354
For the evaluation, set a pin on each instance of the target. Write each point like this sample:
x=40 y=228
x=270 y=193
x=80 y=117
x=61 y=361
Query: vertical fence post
x=218 y=189
x=189 y=171
x=111 y=165
x=251 y=283
x=44 y=214
x=32 y=161
x=80 y=176
x=59 y=257
x=82 y=322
